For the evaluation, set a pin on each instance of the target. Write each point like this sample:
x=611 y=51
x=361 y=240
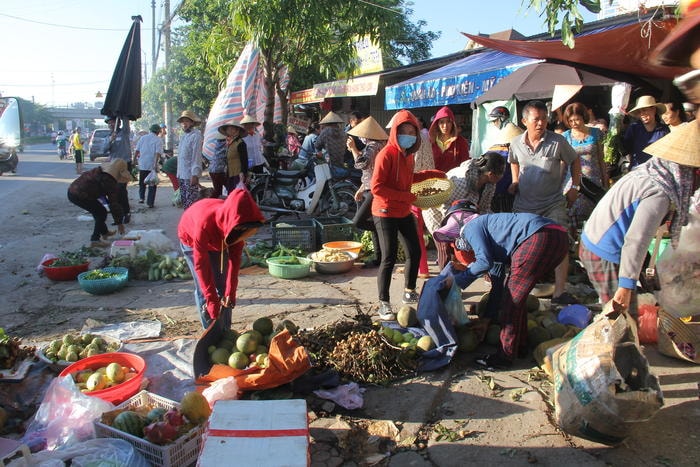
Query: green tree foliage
x=313 y=38
x=567 y=13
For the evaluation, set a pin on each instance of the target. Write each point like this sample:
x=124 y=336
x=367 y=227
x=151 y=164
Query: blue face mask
x=406 y=141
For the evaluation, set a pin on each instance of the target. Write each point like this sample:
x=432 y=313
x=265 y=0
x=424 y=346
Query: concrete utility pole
x=154 y=55
x=167 y=108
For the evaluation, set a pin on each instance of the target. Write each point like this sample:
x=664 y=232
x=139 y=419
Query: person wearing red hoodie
x=391 y=208
x=212 y=235
x=449 y=147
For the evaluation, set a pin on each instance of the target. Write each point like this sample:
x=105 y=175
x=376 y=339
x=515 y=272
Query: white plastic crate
x=257 y=433
x=182 y=452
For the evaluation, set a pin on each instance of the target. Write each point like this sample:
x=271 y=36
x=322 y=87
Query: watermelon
x=130 y=422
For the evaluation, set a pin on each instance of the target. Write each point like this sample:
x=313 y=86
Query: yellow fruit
x=83 y=376
x=95 y=382
x=407 y=316
x=261 y=360
x=115 y=372
x=195 y=407
x=425 y=343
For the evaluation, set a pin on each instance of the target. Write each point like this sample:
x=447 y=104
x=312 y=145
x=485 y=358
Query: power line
x=67 y=26
x=398 y=12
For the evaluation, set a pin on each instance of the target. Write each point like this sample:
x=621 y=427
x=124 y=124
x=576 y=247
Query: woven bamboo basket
x=444 y=189
x=677 y=339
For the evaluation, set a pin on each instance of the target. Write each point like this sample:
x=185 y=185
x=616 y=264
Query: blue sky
x=63 y=51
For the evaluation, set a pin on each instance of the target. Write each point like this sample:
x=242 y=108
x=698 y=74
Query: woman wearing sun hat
x=645 y=131
x=617 y=235
x=189 y=159
x=373 y=136
x=236 y=154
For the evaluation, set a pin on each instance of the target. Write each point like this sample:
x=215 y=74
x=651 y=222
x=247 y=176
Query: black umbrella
x=123 y=98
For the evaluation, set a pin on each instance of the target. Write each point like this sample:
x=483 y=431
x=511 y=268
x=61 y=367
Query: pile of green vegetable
x=263 y=250
x=75 y=258
x=153 y=267
x=97 y=274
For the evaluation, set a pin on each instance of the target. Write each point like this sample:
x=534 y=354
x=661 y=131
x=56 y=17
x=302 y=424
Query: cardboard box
x=123 y=248
x=260 y=433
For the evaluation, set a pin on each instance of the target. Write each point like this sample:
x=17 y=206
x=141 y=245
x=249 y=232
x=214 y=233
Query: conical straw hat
x=370 y=129
x=508 y=132
x=681 y=146
x=330 y=118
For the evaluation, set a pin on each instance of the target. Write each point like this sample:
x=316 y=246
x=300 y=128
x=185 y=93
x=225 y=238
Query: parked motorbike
x=294 y=191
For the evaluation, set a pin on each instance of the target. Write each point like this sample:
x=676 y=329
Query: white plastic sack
x=221 y=389
x=155 y=240
x=151 y=178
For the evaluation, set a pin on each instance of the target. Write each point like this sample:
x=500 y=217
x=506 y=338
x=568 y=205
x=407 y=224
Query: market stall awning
x=622 y=48
x=459 y=82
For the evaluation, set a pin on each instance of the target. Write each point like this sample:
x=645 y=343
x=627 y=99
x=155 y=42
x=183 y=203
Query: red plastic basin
x=121 y=392
x=63 y=273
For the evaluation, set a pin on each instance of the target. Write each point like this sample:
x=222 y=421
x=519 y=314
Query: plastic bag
x=65 y=416
x=93 y=452
x=348 y=396
x=221 y=389
x=152 y=178
x=455 y=306
x=45 y=258
x=176 y=199
x=647 y=319
x=679 y=274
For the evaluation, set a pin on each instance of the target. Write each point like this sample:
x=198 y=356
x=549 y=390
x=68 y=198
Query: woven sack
x=677 y=339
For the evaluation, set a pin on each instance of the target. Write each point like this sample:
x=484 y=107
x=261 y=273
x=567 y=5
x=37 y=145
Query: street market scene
x=272 y=242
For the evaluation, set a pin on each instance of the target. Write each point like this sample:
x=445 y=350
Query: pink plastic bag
x=648 y=324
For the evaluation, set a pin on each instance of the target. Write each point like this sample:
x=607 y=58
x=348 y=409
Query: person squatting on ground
x=76 y=145
x=617 y=235
x=236 y=154
x=118 y=146
x=373 y=138
x=90 y=186
x=189 y=159
x=532 y=246
x=147 y=154
x=391 y=209
x=475 y=182
x=212 y=235
x=538 y=161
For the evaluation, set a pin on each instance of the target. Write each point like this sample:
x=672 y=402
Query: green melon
x=468 y=340
x=155 y=415
x=130 y=422
x=238 y=360
x=481 y=306
x=247 y=342
x=220 y=355
x=557 y=330
x=532 y=304
x=537 y=335
x=263 y=326
x=493 y=334
x=407 y=316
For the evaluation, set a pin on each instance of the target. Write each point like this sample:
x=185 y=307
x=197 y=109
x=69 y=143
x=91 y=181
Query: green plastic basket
x=331 y=229
x=107 y=285
x=288 y=271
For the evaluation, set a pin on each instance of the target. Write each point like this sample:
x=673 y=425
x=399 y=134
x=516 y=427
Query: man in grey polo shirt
x=539 y=161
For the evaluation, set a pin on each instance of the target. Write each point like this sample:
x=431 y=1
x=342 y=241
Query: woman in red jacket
x=449 y=147
x=212 y=235
x=391 y=208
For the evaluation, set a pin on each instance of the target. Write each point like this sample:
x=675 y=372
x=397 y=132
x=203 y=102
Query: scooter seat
x=288 y=173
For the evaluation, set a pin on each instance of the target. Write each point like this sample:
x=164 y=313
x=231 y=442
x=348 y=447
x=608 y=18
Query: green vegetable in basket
x=290 y=260
x=97 y=274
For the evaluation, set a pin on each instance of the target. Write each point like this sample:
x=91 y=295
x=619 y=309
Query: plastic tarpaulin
x=460 y=82
x=621 y=48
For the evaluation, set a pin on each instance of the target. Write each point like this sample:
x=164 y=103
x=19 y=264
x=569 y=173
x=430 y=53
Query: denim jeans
x=219 y=279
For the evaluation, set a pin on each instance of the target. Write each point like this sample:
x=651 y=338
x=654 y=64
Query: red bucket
x=63 y=273
x=121 y=392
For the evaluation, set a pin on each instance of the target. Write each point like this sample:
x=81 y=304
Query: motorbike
x=10 y=134
x=61 y=148
x=287 y=192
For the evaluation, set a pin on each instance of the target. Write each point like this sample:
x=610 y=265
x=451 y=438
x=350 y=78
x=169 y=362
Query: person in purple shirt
x=642 y=133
